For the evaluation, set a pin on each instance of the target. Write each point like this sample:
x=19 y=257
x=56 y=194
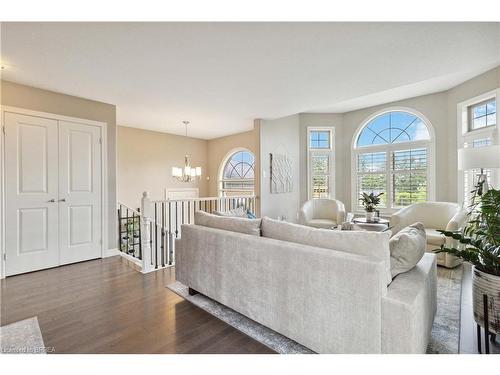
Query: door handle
x=51 y=200
x=62 y=200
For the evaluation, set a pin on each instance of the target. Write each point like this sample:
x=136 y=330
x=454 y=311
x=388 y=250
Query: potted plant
x=370 y=202
x=479 y=244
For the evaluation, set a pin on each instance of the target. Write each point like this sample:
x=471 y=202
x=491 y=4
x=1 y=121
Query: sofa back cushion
x=371 y=244
x=233 y=224
x=407 y=248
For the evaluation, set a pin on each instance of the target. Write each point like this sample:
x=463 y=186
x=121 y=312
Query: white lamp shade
x=198 y=171
x=479 y=157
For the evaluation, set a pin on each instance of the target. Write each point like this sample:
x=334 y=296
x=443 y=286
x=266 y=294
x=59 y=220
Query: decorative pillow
x=235 y=212
x=233 y=224
x=407 y=248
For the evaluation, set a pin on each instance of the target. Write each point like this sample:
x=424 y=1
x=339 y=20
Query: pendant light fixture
x=186 y=173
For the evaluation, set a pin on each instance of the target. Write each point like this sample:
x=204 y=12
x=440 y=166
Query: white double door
x=52 y=192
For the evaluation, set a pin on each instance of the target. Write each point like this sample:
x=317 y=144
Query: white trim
x=104 y=172
x=111 y=253
x=430 y=145
x=465 y=135
x=325 y=151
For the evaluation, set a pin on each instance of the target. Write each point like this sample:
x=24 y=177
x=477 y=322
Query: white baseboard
x=111 y=253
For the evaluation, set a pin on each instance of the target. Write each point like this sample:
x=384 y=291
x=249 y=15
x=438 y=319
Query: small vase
x=369 y=216
x=485 y=283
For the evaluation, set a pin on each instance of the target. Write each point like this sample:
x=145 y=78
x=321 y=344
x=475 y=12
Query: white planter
x=369 y=216
x=485 y=283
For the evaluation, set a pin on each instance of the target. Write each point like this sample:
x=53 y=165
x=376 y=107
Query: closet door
x=31 y=192
x=79 y=192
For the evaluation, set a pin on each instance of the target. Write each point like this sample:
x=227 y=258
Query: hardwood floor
x=103 y=306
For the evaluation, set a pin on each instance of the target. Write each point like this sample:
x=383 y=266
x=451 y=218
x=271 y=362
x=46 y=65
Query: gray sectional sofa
x=328 y=290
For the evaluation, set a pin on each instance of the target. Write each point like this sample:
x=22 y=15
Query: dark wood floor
x=103 y=306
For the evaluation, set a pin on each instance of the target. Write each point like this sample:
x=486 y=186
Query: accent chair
x=434 y=215
x=322 y=213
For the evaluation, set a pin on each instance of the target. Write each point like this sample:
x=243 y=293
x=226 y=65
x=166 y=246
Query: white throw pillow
x=371 y=244
x=236 y=212
x=233 y=224
x=407 y=248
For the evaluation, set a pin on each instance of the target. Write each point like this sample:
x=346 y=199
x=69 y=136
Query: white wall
x=281 y=136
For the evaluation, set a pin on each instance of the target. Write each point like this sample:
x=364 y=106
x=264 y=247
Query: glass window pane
x=324 y=136
x=479 y=111
x=373 y=183
x=491 y=107
x=372 y=162
x=409 y=188
x=479 y=122
x=319 y=139
x=320 y=188
x=481 y=142
x=320 y=164
x=410 y=159
x=239 y=172
x=491 y=119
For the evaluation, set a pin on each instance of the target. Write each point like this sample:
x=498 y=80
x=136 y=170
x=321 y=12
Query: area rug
x=444 y=336
x=23 y=337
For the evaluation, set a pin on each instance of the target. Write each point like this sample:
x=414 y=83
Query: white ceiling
x=221 y=76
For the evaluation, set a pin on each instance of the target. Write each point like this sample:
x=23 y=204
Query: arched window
x=392 y=154
x=237 y=173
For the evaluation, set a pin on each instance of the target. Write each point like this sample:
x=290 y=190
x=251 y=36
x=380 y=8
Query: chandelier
x=186 y=173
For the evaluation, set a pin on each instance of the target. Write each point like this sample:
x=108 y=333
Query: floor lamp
x=479 y=158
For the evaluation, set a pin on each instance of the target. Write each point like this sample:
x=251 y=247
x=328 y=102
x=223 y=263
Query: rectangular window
x=320 y=139
x=483 y=114
x=320 y=172
x=320 y=163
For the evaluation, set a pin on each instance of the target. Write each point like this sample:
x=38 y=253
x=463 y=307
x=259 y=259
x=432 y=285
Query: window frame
x=466 y=135
x=389 y=149
x=470 y=115
x=329 y=152
x=220 y=175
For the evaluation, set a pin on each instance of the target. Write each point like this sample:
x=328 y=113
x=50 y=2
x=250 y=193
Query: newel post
x=145 y=232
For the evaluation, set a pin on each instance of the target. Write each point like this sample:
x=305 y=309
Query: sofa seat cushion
x=374 y=245
x=407 y=248
x=409 y=307
x=233 y=224
x=321 y=223
x=434 y=237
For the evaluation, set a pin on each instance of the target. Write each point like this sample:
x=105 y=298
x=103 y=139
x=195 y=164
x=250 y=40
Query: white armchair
x=434 y=215
x=322 y=213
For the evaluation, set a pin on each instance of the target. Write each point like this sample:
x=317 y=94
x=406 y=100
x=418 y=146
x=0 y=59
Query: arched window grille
x=238 y=174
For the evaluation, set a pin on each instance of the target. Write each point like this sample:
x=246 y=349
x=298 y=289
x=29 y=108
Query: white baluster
x=145 y=233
